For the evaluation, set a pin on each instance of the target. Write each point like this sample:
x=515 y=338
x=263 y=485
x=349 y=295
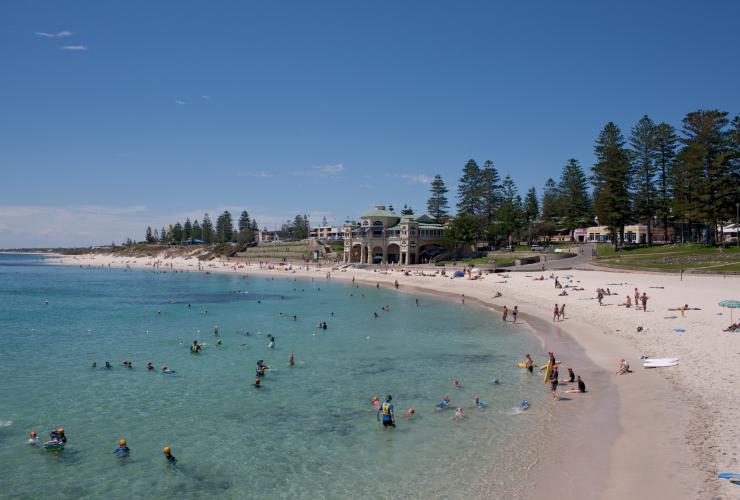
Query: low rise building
x=382 y=236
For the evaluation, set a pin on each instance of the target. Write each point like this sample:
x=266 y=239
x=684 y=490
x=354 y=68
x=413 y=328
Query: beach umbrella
x=731 y=304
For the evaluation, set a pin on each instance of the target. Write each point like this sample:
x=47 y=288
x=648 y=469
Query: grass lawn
x=688 y=256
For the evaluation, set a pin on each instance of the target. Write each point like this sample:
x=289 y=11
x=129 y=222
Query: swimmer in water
x=458 y=413
x=524 y=405
x=33 y=440
x=444 y=403
x=108 y=365
x=165 y=369
x=375 y=402
x=408 y=413
x=122 y=451
x=149 y=366
x=479 y=403
x=95 y=364
x=168 y=455
x=257 y=382
x=291 y=361
x=456 y=383
x=195 y=348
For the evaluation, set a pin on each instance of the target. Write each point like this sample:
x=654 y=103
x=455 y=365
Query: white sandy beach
x=678 y=425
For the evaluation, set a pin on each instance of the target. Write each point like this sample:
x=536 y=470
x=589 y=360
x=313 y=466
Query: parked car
x=537 y=248
x=508 y=248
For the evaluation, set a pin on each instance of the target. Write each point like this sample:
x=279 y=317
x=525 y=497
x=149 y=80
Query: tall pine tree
x=574 y=202
x=206 y=229
x=490 y=191
x=531 y=211
x=187 y=230
x=437 y=205
x=665 y=155
x=611 y=181
x=468 y=190
x=644 y=154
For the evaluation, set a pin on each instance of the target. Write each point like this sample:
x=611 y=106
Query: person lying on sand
x=624 y=367
x=732 y=328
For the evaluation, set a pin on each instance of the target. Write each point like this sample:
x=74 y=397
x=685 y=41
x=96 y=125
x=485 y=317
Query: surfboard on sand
x=660 y=363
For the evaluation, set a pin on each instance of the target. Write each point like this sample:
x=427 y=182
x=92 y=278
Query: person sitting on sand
x=627 y=302
x=624 y=367
x=498 y=294
x=563 y=294
x=581 y=387
x=571 y=376
x=732 y=328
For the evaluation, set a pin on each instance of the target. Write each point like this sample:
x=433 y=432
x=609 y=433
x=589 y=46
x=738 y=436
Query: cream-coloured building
x=382 y=236
x=326 y=233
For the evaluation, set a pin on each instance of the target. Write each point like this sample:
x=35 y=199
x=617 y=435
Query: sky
x=119 y=115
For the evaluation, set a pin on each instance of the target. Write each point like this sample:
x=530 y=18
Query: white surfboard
x=659 y=360
x=660 y=364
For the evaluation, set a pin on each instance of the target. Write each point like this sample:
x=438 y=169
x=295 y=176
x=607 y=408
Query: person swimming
x=479 y=403
x=108 y=365
x=195 y=348
x=165 y=369
x=291 y=361
x=58 y=436
x=524 y=405
x=122 y=451
x=257 y=382
x=456 y=383
x=444 y=403
x=33 y=440
x=95 y=364
x=169 y=456
x=458 y=413
x=409 y=412
x=149 y=366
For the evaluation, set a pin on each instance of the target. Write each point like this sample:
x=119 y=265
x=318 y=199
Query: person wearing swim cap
x=169 y=456
x=33 y=440
x=387 y=409
x=57 y=436
x=122 y=451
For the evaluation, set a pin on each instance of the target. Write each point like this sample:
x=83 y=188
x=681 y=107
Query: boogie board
x=548 y=370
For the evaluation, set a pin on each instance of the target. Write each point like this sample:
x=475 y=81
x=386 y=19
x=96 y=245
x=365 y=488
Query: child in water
x=168 y=455
x=458 y=413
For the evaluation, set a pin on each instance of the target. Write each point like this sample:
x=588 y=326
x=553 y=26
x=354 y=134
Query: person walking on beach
x=514 y=313
x=555 y=313
x=637 y=299
x=600 y=296
x=505 y=314
x=554 y=383
x=644 y=300
x=562 y=312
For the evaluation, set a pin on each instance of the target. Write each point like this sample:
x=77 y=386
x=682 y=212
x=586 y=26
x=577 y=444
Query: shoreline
x=666 y=441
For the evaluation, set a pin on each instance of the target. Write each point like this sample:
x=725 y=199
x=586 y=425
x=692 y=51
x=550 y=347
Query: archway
x=355 y=253
x=394 y=253
x=377 y=255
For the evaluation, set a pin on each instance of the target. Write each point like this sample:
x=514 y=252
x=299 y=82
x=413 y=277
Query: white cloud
x=254 y=173
x=322 y=171
x=181 y=103
x=73 y=47
x=416 y=178
x=61 y=34
x=206 y=97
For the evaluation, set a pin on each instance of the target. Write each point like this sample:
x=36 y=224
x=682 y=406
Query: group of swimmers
x=58 y=439
x=149 y=366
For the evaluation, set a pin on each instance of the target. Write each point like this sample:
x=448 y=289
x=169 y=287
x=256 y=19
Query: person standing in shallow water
x=505 y=314
x=514 y=313
x=388 y=412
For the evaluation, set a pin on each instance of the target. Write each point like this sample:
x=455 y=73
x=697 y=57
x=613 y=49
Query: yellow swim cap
x=122 y=442
x=166 y=450
x=61 y=430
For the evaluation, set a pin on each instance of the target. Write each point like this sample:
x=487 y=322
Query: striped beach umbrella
x=731 y=304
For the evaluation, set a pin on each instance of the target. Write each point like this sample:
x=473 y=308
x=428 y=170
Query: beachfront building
x=382 y=236
x=325 y=233
x=634 y=234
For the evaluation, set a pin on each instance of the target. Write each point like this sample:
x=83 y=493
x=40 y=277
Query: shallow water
x=309 y=432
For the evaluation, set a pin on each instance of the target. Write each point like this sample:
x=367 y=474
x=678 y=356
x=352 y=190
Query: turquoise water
x=310 y=432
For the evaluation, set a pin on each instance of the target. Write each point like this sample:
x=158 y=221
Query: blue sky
x=117 y=115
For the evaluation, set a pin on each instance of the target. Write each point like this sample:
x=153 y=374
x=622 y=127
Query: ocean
x=310 y=431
